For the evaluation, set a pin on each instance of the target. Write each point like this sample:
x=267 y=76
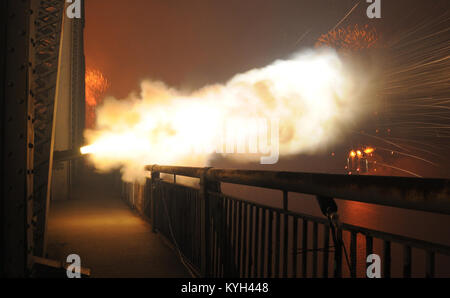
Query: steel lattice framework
x=47 y=21
x=30 y=43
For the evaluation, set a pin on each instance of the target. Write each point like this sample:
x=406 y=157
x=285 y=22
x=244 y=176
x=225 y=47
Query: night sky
x=189 y=44
x=192 y=43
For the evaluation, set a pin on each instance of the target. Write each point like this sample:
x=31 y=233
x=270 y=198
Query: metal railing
x=218 y=235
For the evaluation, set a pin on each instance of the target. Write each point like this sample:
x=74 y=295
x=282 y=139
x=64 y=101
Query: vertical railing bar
x=239 y=243
x=304 y=247
x=179 y=218
x=263 y=243
x=175 y=218
x=286 y=233
x=277 y=245
x=353 y=256
x=270 y=244
x=256 y=246
x=212 y=235
x=235 y=203
x=186 y=222
x=326 y=247
x=229 y=226
x=176 y=213
x=219 y=255
x=183 y=219
x=220 y=216
x=369 y=245
x=223 y=245
x=217 y=223
x=294 y=245
x=407 y=261
x=285 y=245
x=198 y=229
x=430 y=264
x=182 y=226
x=244 y=240
x=193 y=225
x=250 y=240
x=154 y=177
x=315 y=247
x=214 y=253
x=226 y=244
x=387 y=259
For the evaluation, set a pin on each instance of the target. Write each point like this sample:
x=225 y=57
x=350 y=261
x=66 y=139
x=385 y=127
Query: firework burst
x=352 y=37
x=96 y=85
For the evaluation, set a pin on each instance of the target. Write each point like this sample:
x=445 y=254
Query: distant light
x=369 y=150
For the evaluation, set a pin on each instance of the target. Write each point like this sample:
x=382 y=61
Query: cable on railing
x=180 y=254
x=329 y=209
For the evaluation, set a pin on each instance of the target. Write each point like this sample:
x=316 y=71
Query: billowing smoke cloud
x=312 y=95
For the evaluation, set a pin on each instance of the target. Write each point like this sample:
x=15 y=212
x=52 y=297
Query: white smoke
x=313 y=95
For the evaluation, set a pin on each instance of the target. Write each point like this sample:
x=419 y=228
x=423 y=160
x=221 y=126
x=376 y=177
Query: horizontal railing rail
x=423 y=194
x=222 y=236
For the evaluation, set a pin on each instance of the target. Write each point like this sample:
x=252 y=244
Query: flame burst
x=353 y=38
x=312 y=94
x=95 y=84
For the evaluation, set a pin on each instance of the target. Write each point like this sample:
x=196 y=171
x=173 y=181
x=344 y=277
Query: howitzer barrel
x=66 y=155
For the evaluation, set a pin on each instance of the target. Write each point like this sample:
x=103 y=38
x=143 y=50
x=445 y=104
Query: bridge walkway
x=109 y=237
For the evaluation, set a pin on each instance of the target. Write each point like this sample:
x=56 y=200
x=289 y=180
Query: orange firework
x=96 y=85
x=352 y=38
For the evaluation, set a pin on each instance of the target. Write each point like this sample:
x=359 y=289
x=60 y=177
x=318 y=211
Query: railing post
x=155 y=176
x=205 y=221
